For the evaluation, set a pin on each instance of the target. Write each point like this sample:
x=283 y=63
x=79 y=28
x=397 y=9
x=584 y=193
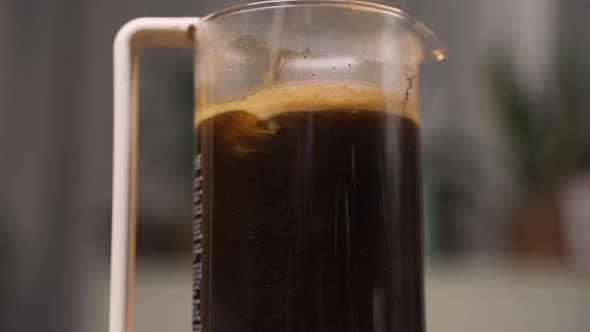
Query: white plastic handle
x=135 y=36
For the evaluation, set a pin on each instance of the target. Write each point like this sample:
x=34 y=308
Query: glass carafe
x=307 y=198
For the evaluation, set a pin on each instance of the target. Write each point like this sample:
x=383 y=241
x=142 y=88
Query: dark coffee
x=310 y=217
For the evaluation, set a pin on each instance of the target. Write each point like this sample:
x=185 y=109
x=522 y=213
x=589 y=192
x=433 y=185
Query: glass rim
x=354 y=5
x=438 y=52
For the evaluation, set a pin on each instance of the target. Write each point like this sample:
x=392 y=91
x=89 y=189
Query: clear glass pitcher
x=307 y=180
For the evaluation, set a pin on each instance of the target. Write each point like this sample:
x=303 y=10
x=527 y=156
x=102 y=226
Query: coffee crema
x=300 y=96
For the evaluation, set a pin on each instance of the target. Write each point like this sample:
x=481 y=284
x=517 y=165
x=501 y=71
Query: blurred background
x=506 y=158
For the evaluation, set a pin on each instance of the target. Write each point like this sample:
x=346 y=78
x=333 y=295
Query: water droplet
x=439 y=55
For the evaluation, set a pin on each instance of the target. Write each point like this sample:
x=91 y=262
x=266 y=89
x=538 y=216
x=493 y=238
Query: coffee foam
x=302 y=97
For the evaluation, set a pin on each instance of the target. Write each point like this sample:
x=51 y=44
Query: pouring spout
x=433 y=48
x=429 y=45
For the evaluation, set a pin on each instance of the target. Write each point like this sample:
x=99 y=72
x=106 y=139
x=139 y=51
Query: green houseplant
x=546 y=144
